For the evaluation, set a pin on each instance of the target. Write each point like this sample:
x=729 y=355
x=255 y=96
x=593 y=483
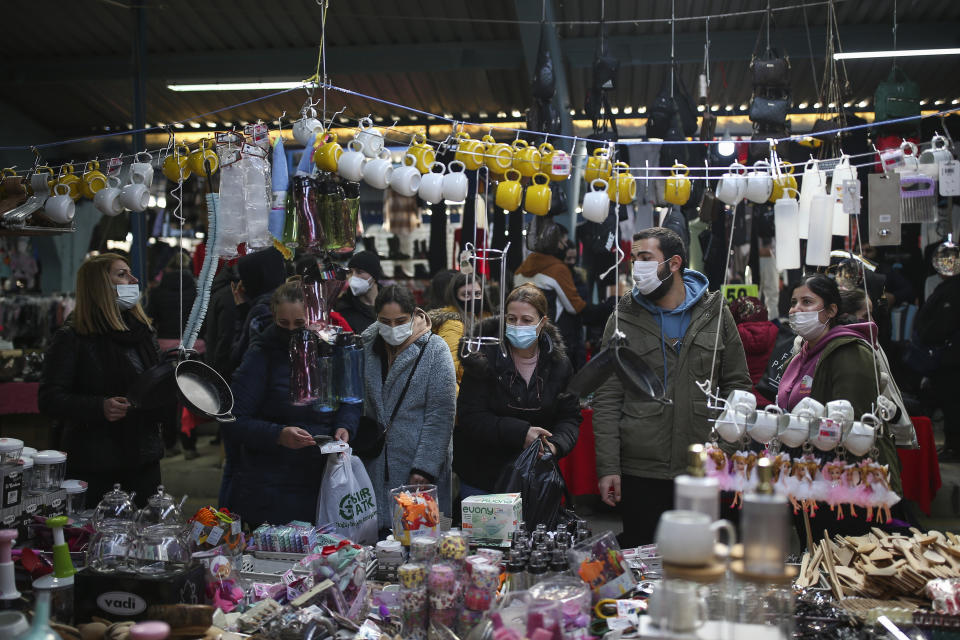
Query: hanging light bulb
x=946 y=258
x=726 y=147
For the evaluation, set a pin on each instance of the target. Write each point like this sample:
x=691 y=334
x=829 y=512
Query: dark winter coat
x=357 y=314
x=79 y=373
x=272 y=483
x=496 y=408
x=938 y=322
x=164 y=306
x=219 y=323
x=758 y=340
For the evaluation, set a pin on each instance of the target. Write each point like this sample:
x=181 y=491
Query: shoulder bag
x=371 y=435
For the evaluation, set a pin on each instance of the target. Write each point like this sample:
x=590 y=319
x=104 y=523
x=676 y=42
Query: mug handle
x=364 y=123
x=462 y=168
x=519 y=144
x=509 y=173
x=387 y=156
x=938 y=140
x=546 y=178
x=728 y=528
x=679 y=166
x=606 y=185
x=355 y=145
x=412 y=158
x=434 y=165
x=331 y=137
x=92 y=165
x=56 y=190
x=545 y=148
x=136 y=158
x=113 y=182
x=906 y=144
x=418 y=139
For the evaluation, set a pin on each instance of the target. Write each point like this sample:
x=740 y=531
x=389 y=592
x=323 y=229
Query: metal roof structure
x=68 y=66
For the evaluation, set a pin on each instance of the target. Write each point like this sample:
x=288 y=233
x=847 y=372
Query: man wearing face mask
x=356 y=301
x=670 y=319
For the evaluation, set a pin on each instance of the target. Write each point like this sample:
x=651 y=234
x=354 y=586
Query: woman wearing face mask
x=509 y=401
x=89 y=367
x=280 y=467
x=463 y=300
x=400 y=352
x=356 y=301
x=835 y=362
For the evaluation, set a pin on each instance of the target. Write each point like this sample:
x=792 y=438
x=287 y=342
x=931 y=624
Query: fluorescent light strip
x=237 y=86
x=903 y=53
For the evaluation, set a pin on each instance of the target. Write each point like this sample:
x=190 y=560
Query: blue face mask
x=521 y=336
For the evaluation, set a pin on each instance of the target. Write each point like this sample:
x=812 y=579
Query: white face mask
x=359 y=286
x=807 y=325
x=395 y=336
x=645 y=275
x=128 y=295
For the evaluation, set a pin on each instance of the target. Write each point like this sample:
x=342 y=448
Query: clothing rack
x=33 y=318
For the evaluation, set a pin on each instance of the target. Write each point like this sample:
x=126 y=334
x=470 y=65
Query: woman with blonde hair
x=93 y=360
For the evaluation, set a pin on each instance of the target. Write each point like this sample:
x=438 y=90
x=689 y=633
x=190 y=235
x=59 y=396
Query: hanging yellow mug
x=422 y=152
x=623 y=186
x=176 y=163
x=203 y=159
x=93 y=180
x=70 y=180
x=782 y=186
x=554 y=162
x=328 y=154
x=598 y=166
x=509 y=191
x=498 y=156
x=469 y=151
x=526 y=159
x=539 y=196
x=677 y=187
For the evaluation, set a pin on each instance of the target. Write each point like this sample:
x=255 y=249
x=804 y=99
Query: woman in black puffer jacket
x=90 y=365
x=507 y=402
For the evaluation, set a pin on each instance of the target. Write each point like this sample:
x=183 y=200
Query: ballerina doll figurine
x=804 y=472
x=783 y=481
x=876 y=490
x=716 y=466
x=831 y=487
x=740 y=476
x=851 y=481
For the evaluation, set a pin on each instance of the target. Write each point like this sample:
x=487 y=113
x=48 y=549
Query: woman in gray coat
x=418 y=443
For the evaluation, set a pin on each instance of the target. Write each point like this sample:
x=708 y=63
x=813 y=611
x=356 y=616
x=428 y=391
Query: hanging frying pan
x=156 y=386
x=597 y=370
x=618 y=358
x=202 y=390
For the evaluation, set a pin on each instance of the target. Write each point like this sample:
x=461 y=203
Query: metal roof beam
x=263 y=64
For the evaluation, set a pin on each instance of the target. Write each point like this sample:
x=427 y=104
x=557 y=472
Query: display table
x=579 y=467
x=920 y=469
x=19 y=397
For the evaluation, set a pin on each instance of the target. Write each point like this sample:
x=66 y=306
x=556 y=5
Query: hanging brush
x=918 y=199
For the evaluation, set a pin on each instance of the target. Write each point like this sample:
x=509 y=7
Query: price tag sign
x=234 y=527
x=950 y=178
x=197 y=531
x=214 y=537
x=733 y=291
x=851 y=197
x=114 y=165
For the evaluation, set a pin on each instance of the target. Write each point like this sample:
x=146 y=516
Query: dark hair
x=669 y=242
x=852 y=301
x=437 y=291
x=398 y=294
x=531 y=295
x=458 y=281
x=825 y=287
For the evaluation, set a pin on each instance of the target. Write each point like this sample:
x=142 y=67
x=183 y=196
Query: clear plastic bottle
x=350 y=368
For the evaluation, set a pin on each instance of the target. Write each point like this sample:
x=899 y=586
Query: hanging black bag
x=769 y=111
x=770 y=70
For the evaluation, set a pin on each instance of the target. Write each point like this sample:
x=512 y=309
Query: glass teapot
x=115 y=509
x=161 y=509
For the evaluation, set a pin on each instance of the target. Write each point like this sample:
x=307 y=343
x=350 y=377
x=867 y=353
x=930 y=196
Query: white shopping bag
x=347 y=500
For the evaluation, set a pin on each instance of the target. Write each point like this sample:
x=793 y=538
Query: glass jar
x=115 y=509
x=10 y=449
x=161 y=509
x=109 y=546
x=49 y=468
x=27 y=470
x=159 y=550
x=28 y=452
x=758 y=601
x=76 y=495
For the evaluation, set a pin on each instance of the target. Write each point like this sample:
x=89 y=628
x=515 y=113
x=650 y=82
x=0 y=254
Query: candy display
x=599 y=562
x=415 y=512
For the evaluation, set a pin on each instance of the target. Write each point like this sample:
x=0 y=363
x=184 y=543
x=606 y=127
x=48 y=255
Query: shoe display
x=370 y=244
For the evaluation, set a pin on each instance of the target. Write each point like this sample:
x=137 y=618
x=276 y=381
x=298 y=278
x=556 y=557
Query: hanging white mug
x=936 y=155
x=455 y=182
x=350 y=164
x=859 y=439
x=766 y=424
x=405 y=179
x=732 y=186
x=60 y=207
x=596 y=203
x=841 y=173
x=431 y=185
x=739 y=408
x=40 y=183
x=141 y=170
x=135 y=197
x=370 y=137
x=795 y=430
x=304 y=128
x=377 y=172
x=107 y=200
x=812 y=183
x=759 y=183
x=911 y=161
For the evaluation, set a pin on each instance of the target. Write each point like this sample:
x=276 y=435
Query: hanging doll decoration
x=875 y=490
x=717 y=466
x=851 y=481
x=805 y=471
x=831 y=488
x=783 y=481
x=741 y=477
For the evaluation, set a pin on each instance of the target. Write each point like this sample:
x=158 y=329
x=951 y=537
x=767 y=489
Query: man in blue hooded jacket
x=671 y=320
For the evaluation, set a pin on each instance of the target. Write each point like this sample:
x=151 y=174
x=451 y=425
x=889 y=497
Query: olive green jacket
x=639 y=437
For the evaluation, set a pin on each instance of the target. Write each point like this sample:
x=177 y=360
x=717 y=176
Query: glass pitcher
x=303 y=367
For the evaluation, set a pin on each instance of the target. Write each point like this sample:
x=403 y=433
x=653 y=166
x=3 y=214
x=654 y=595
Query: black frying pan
x=156 y=386
x=204 y=391
x=618 y=358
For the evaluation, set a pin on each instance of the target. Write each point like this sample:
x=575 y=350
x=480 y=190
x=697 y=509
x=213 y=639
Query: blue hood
x=674 y=322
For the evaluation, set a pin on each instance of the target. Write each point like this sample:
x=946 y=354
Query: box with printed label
x=492 y=518
x=122 y=597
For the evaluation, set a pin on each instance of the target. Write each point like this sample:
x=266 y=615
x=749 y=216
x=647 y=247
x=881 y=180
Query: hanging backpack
x=896 y=97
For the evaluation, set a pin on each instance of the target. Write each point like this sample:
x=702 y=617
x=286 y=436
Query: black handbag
x=371 y=435
x=769 y=111
x=770 y=70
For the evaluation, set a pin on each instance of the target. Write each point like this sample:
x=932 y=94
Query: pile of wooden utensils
x=882 y=566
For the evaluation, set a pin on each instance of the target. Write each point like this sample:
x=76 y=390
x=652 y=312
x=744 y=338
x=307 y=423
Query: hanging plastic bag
x=347 y=500
x=256 y=196
x=280 y=179
x=538 y=480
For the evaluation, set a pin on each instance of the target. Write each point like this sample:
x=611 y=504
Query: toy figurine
x=740 y=481
x=851 y=481
x=716 y=466
x=876 y=490
x=804 y=473
x=222 y=588
x=830 y=487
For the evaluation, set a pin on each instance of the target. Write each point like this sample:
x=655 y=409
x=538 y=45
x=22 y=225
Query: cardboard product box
x=126 y=596
x=30 y=507
x=12 y=485
x=54 y=503
x=10 y=518
x=491 y=519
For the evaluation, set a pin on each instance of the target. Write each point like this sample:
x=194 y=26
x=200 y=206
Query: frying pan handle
x=225 y=417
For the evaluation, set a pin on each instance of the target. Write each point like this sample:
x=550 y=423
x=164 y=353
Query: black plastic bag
x=539 y=481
